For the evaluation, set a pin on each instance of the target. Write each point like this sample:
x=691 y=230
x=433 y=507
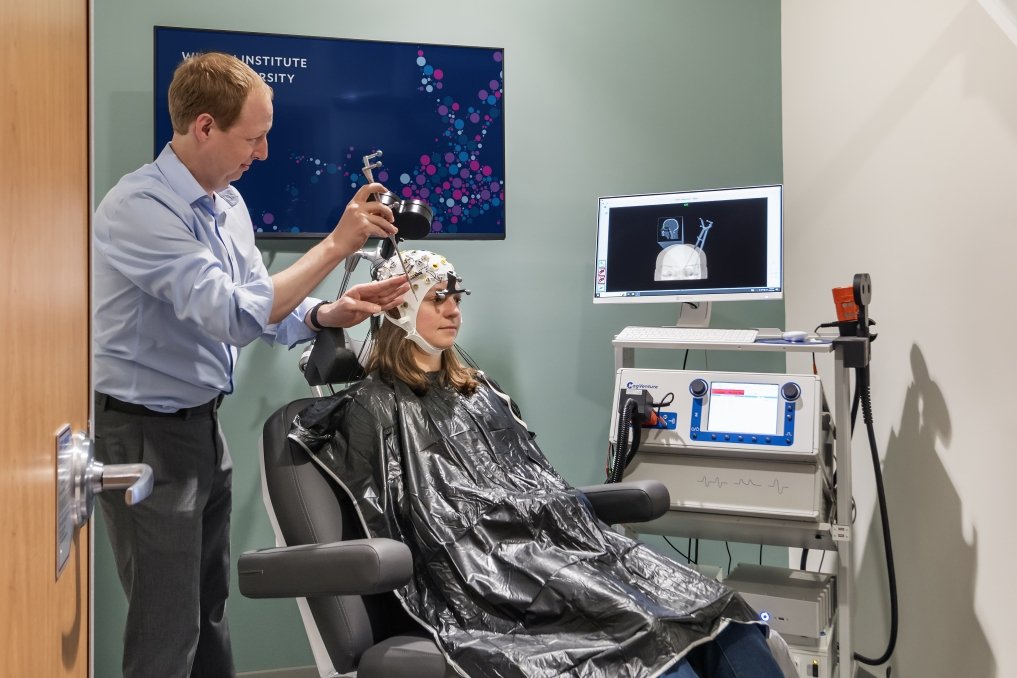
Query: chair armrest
x=632 y=501
x=354 y=567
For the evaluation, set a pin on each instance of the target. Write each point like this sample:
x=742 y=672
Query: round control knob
x=791 y=391
x=698 y=388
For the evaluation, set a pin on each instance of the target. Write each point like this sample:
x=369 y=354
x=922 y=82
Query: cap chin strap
x=409 y=327
x=422 y=344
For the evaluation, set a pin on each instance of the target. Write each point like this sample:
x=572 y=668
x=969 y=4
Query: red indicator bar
x=728 y=391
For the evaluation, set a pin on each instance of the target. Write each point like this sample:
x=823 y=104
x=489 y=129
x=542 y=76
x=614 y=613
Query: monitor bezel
x=691 y=296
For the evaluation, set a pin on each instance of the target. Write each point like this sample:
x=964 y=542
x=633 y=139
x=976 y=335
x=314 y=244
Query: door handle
x=90 y=477
x=136 y=479
x=80 y=477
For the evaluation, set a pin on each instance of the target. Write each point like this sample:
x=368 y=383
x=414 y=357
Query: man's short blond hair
x=213 y=83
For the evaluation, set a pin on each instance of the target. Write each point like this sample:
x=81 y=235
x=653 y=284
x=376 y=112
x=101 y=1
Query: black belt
x=108 y=402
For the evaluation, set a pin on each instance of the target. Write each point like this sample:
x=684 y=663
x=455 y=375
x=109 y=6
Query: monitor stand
x=694 y=314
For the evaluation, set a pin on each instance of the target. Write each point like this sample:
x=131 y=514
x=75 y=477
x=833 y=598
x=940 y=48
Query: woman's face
x=438 y=320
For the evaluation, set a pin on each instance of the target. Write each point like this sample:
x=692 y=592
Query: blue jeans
x=740 y=651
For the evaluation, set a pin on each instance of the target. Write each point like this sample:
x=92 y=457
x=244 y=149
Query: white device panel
x=733 y=443
x=767 y=488
x=799 y=604
x=737 y=413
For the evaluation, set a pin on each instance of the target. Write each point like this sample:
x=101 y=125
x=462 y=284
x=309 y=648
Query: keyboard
x=687 y=335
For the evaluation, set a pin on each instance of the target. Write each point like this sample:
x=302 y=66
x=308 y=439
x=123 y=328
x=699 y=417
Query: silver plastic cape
x=512 y=572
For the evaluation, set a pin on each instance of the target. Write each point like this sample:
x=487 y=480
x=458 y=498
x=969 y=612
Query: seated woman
x=513 y=574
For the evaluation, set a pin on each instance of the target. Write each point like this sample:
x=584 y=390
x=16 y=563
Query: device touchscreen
x=744 y=407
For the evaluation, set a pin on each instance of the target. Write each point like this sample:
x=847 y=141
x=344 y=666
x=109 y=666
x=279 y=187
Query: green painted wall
x=602 y=98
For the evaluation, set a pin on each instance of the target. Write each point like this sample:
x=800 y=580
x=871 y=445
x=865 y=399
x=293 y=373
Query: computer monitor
x=690 y=246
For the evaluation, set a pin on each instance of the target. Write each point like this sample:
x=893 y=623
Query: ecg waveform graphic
x=719 y=483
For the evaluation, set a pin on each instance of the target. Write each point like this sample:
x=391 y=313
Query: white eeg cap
x=424 y=269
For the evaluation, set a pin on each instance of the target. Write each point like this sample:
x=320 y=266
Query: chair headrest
x=330 y=361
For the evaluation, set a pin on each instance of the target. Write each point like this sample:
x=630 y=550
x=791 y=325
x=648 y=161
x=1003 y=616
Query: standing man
x=179 y=286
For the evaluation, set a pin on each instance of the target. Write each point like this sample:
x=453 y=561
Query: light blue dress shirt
x=178 y=287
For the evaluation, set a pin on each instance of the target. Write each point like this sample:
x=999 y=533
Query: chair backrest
x=308 y=508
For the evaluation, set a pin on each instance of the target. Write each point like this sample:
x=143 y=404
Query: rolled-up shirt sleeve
x=151 y=241
x=292 y=329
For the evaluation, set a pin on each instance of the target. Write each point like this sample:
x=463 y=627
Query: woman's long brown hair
x=392 y=357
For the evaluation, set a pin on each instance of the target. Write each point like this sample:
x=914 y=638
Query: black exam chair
x=344 y=581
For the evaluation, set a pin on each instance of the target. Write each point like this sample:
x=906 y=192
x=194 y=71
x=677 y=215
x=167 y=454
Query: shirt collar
x=187 y=187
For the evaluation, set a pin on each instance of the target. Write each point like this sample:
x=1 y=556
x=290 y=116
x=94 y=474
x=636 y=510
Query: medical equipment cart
x=828 y=526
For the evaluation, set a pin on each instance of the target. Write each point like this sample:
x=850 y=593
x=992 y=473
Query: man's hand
x=361 y=220
x=362 y=301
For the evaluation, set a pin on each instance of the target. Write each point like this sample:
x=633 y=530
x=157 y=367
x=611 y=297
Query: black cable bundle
x=623 y=451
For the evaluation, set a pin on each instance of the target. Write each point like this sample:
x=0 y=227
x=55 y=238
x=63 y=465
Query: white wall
x=900 y=159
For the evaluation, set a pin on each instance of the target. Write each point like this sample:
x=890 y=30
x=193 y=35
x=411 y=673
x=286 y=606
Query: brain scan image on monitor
x=679 y=260
x=720 y=244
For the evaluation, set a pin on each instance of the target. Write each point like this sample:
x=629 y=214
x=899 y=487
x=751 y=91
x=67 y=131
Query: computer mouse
x=794 y=335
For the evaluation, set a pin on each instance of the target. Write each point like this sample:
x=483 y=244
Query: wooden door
x=44 y=349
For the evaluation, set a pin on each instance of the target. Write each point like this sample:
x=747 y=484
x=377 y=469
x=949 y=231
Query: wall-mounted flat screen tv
x=436 y=112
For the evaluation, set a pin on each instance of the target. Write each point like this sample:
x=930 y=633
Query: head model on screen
x=680 y=260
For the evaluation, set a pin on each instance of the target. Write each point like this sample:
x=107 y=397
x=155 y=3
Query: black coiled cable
x=623 y=454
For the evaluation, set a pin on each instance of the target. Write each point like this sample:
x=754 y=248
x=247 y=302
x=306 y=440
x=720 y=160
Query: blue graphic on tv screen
x=436 y=112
